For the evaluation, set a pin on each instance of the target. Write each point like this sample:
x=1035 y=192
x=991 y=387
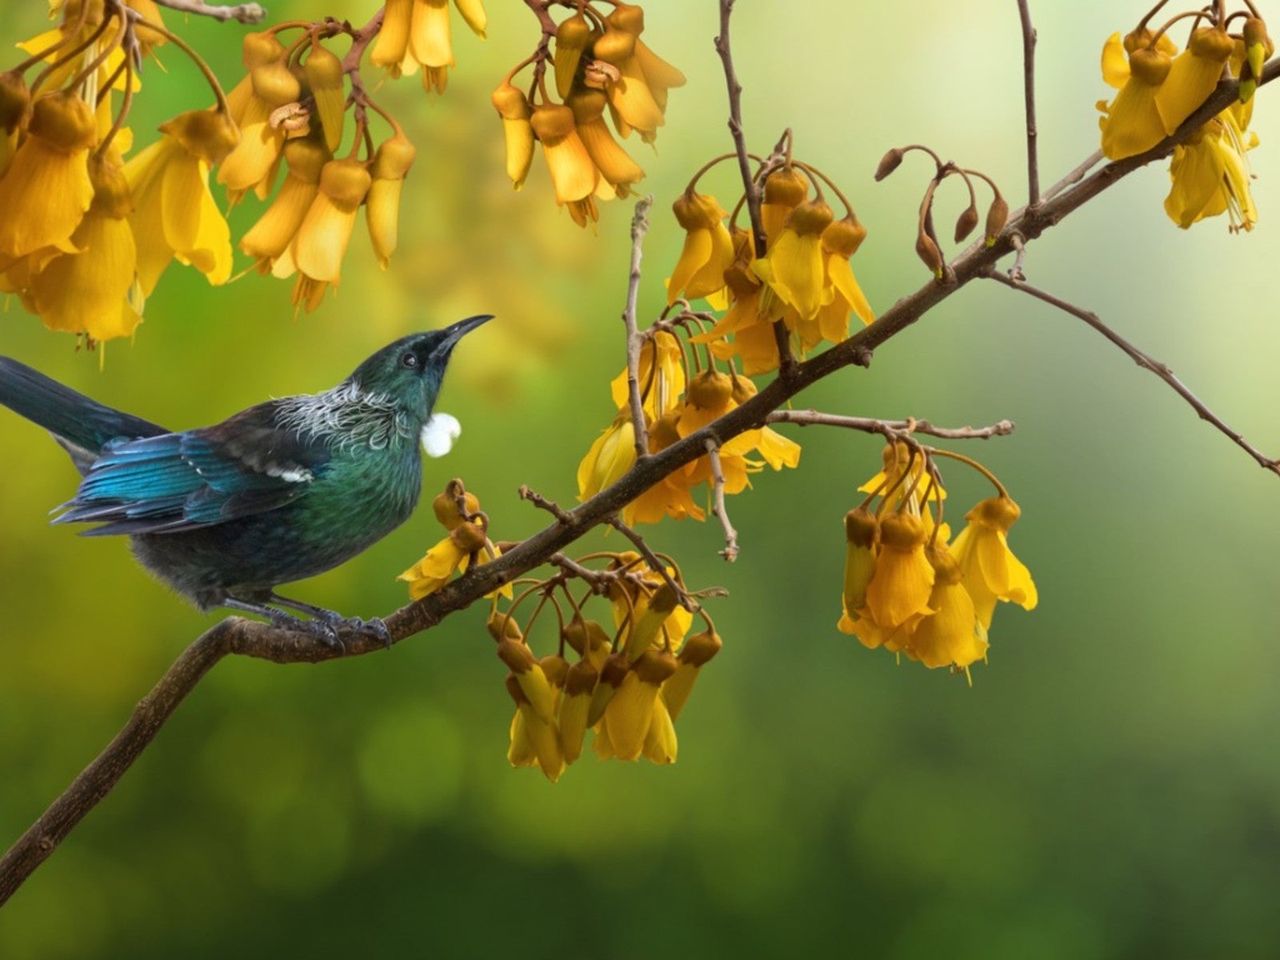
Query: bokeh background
x=1109 y=787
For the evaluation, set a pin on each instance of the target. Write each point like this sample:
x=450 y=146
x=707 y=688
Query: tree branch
x=1146 y=362
x=813 y=418
x=639 y=226
x=1029 y=92
x=751 y=190
x=730 y=551
x=240 y=12
x=259 y=640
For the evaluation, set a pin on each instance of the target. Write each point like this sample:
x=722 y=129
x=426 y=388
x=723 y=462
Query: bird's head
x=410 y=371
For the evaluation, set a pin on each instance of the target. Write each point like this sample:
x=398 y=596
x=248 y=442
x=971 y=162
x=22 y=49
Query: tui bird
x=281 y=491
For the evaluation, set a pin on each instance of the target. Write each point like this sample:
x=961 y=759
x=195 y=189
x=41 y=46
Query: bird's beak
x=455 y=332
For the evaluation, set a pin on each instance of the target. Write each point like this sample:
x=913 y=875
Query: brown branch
x=542 y=503
x=252 y=639
x=730 y=551
x=655 y=563
x=1075 y=176
x=813 y=418
x=639 y=226
x=751 y=190
x=1146 y=362
x=240 y=12
x=1029 y=94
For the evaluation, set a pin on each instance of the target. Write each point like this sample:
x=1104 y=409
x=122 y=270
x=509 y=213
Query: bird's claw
x=374 y=627
x=326 y=631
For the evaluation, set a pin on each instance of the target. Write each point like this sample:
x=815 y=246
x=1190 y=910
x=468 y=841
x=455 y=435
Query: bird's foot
x=322 y=629
x=374 y=627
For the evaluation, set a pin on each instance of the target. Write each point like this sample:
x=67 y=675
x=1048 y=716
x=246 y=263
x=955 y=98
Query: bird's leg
x=320 y=628
x=374 y=626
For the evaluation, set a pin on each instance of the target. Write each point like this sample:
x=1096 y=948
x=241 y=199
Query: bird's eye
x=410 y=359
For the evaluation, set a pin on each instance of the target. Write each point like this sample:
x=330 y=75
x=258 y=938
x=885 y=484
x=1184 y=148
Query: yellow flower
x=1193 y=75
x=694 y=655
x=513 y=106
x=989 y=569
x=46 y=189
x=911 y=490
x=325 y=81
x=708 y=248
x=1132 y=122
x=429 y=35
x=451 y=555
x=321 y=243
x=840 y=241
x=1210 y=174
x=533 y=739
x=670 y=496
x=269 y=85
x=572 y=37
x=611 y=456
x=784 y=190
x=612 y=162
x=951 y=635
x=794 y=269
x=86 y=291
x=903 y=580
x=15 y=101
x=630 y=712
x=174 y=211
x=392 y=43
x=575 y=704
x=633 y=101
x=753 y=338
x=660 y=388
x=382 y=209
x=573 y=173
x=861 y=530
x=275 y=230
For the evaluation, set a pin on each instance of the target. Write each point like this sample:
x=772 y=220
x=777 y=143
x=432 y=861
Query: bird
x=279 y=492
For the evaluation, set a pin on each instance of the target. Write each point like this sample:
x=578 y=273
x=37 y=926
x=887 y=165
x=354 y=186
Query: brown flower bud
x=503 y=627
x=967 y=222
x=700 y=648
x=997 y=217
x=929 y=254
x=861 y=527
x=889 y=163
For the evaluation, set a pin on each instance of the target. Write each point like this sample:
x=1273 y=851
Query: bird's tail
x=81 y=425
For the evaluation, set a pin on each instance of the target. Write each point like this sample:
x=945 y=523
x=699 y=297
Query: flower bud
x=889 y=163
x=503 y=627
x=930 y=255
x=861 y=527
x=382 y=210
x=966 y=223
x=997 y=217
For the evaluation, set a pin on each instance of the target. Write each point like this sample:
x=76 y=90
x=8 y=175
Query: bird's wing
x=177 y=482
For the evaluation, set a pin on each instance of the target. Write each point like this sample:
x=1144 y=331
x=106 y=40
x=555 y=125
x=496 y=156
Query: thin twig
x=751 y=190
x=543 y=503
x=1029 y=91
x=240 y=12
x=279 y=645
x=1075 y=176
x=1149 y=363
x=639 y=226
x=655 y=563
x=812 y=418
x=1019 y=258
x=730 y=551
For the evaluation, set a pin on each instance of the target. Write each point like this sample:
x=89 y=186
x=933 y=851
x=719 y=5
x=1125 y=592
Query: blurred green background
x=1109 y=787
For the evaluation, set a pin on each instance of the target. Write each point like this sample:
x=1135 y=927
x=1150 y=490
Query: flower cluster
x=798 y=274
x=1160 y=87
x=417 y=34
x=677 y=401
x=627 y=682
x=291 y=106
x=912 y=589
x=466 y=543
x=82 y=239
x=600 y=65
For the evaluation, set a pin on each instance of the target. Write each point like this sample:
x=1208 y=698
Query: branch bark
x=240 y=12
x=1029 y=93
x=1148 y=363
x=639 y=227
x=262 y=641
